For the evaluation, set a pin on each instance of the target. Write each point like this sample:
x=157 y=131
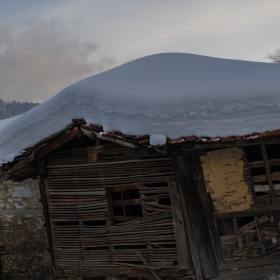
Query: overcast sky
x=47 y=45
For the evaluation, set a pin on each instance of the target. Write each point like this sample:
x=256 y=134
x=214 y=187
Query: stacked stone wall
x=23 y=237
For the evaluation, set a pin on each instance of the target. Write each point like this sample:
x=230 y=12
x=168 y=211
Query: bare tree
x=274 y=57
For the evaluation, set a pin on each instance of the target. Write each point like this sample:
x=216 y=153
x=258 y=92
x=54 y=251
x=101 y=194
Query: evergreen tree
x=10 y=109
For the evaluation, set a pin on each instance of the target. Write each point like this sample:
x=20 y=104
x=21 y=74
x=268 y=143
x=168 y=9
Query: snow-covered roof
x=5 y=122
x=169 y=95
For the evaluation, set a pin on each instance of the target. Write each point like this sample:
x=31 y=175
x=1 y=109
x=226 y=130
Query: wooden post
x=147 y=265
x=248 y=174
x=256 y=220
x=207 y=208
x=203 y=258
x=42 y=184
x=268 y=175
x=2 y=250
x=180 y=234
x=237 y=233
x=110 y=221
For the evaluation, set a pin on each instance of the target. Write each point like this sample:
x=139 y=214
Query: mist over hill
x=13 y=108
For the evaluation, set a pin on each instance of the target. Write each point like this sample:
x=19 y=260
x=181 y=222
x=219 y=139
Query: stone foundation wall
x=23 y=239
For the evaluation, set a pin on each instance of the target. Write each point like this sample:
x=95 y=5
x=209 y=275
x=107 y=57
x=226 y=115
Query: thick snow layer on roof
x=7 y=121
x=170 y=95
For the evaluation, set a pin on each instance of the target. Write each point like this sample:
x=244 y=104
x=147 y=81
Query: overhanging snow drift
x=173 y=95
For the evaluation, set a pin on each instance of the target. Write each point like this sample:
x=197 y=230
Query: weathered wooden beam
x=265 y=188
x=237 y=233
x=62 y=139
x=190 y=146
x=181 y=239
x=99 y=271
x=275 y=176
x=260 y=163
x=147 y=265
x=268 y=174
x=257 y=223
x=256 y=262
x=204 y=261
x=252 y=224
x=248 y=177
x=256 y=273
x=245 y=213
x=43 y=192
x=22 y=166
x=207 y=207
x=92 y=134
x=186 y=216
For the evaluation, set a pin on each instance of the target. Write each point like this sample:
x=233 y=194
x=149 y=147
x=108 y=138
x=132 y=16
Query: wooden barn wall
x=243 y=184
x=110 y=212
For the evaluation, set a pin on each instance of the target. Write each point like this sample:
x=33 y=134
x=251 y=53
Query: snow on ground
x=164 y=95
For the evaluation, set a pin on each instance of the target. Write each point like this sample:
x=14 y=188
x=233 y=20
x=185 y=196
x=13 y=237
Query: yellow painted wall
x=224 y=177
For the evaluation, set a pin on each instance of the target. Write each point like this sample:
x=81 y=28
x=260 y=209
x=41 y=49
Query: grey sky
x=47 y=45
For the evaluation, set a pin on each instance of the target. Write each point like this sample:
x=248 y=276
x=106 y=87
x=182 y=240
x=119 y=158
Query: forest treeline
x=13 y=108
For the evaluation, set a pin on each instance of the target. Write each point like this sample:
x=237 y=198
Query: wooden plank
x=99 y=271
x=256 y=273
x=147 y=265
x=65 y=137
x=20 y=166
x=275 y=176
x=256 y=164
x=263 y=178
x=42 y=185
x=265 y=200
x=237 y=233
x=259 y=178
x=110 y=221
x=252 y=224
x=257 y=223
x=181 y=239
x=207 y=207
x=250 y=263
x=199 y=240
x=190 y=146
x=186 y=216
x=248 y=177
x=250 y=212
x=92 y=134
x=274 y=162
x=260 y=163
x=265 y=188
x=268 y=174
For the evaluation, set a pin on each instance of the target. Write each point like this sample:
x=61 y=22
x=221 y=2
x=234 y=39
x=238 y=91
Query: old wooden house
x=128 y=206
